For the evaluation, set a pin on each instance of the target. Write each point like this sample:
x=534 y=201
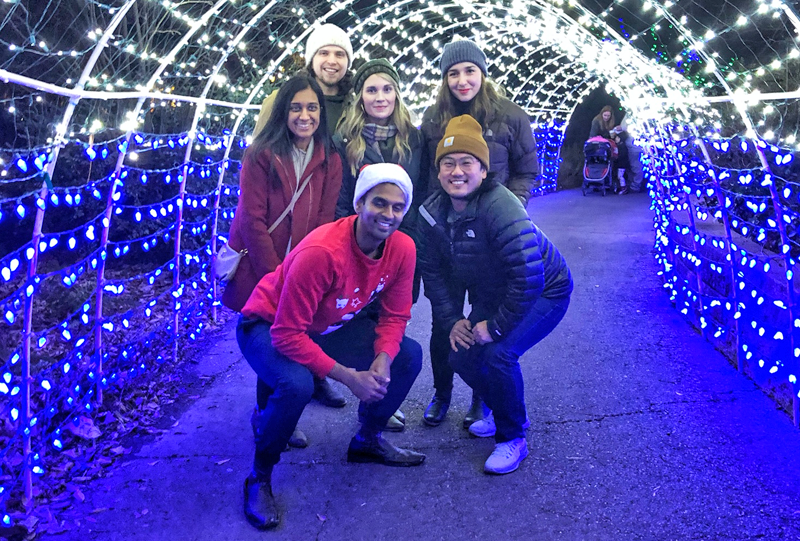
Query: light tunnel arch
x=473 y=15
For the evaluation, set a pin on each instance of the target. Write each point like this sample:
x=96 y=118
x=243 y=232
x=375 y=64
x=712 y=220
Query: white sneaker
x=506 y=456
x=485 y=428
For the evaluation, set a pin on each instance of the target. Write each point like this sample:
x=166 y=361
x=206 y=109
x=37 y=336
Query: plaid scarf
x=372 y=133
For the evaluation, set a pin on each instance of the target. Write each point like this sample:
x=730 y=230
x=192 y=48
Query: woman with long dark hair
x=290 y=180
x=291 y=162
x=513 y=162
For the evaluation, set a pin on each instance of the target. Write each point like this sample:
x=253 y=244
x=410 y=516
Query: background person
x=302 y=320
x=465 y=89
x=476 y=236
x=291 y=160
x=605 y=125
x=634 y=157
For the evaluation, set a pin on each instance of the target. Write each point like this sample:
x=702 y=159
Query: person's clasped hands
x=464 y=334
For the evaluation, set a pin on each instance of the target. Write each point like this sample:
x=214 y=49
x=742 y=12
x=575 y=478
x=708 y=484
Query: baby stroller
x=597 y=168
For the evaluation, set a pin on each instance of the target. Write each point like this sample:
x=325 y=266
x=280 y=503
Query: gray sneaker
x=507 y=456
x=485 y=428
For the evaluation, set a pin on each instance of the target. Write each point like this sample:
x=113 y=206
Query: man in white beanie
x=329 y=56
x=307 y=318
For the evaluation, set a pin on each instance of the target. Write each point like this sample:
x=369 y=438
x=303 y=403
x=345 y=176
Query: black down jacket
x=494 y=252
x=513 y=161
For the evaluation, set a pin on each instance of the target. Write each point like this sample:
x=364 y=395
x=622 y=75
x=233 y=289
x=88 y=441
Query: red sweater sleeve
x=396 y=301
x=311 y=276
x=252 y=211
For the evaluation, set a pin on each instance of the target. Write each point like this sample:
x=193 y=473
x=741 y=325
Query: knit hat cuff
x=463 y=134
x=459 y=51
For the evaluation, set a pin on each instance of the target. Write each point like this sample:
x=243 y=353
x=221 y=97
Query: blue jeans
x=493 y=371
x=291 y=384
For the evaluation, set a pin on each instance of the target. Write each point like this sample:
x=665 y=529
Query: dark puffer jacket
x=411 y=163
x=513 y=161
x=494 y=252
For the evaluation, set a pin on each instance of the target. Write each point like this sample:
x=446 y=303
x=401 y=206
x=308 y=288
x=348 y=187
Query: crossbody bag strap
x=289 y=208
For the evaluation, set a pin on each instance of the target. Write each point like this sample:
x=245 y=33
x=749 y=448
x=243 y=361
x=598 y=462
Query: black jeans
x=440 y=360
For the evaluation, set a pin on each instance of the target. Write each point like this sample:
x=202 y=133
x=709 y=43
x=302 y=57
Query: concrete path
x=640 y=430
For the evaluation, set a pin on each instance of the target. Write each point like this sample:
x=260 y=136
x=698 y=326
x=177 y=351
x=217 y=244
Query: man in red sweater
x=307 y=319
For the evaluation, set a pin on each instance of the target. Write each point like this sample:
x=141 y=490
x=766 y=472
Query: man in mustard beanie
x=475 y=237
x=329 y=56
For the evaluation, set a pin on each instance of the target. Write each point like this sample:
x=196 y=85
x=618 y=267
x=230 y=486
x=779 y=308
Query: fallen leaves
x=84 y=428
x=92 y=442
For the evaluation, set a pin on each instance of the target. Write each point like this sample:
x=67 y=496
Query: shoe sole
x=432 y=423
x=361 y=458
x=525 y=426
x=503 y=472
x=263 y=526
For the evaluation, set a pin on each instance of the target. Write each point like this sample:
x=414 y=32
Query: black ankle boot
x=477 y=411
x=436 y=410
x=377 y=450
x=259 y=503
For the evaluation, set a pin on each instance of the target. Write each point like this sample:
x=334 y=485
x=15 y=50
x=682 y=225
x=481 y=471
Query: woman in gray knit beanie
x=513 y=162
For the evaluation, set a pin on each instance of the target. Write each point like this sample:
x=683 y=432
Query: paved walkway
x=640 y=430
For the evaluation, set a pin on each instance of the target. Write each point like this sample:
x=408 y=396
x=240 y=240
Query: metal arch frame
x=61 y=130
x=121 y=159
x=470 y=7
